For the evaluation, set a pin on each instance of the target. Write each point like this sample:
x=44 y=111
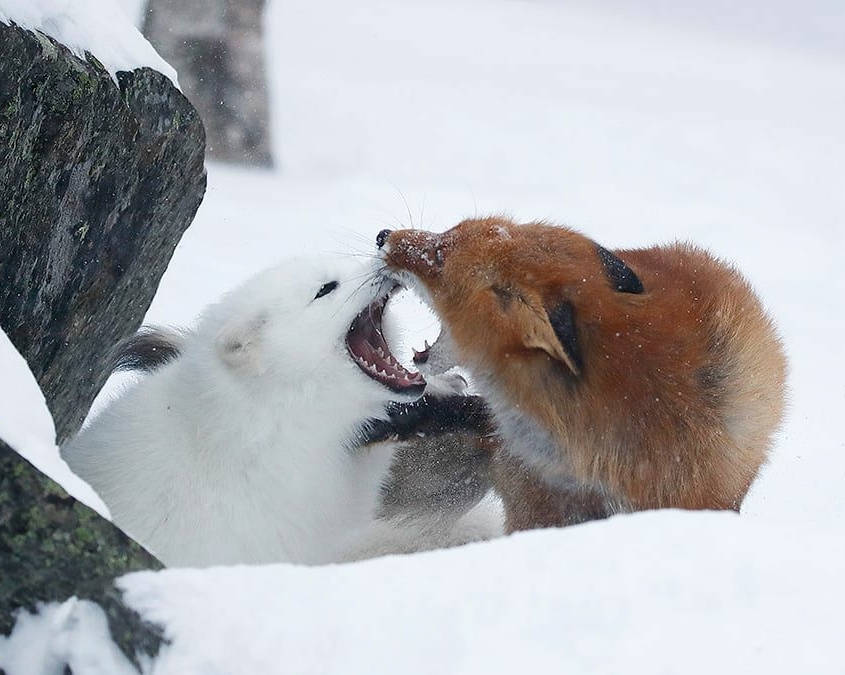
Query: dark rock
x=98 y=183
x=53 y=547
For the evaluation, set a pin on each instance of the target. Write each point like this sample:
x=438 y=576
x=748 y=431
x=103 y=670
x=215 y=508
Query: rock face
x=218 y=48
x=52 y=547
x=98 y=183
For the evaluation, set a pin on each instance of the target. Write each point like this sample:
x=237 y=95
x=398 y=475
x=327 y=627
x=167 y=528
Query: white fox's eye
x=325 y=289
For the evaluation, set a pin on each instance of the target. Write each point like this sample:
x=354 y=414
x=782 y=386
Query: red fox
x=620 y=380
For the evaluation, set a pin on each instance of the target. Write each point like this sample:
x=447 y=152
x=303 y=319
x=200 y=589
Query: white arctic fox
x=237 y=449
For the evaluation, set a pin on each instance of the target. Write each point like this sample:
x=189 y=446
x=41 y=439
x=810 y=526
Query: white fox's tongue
x=368 y=348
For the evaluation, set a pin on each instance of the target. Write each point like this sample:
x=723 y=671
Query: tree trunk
x=217 y=48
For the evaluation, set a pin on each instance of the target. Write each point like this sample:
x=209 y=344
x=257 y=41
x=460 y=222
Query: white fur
x=236 y=451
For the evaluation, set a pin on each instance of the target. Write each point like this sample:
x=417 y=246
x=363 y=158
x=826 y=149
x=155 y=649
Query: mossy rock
x=53 y=547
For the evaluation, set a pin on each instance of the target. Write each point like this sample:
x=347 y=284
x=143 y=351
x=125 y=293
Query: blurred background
x=637 y=122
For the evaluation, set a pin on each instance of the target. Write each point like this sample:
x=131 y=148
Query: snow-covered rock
x=53 y=545
x=97 y=27
x=72 y=636
x=26 y=425
x=98 y=182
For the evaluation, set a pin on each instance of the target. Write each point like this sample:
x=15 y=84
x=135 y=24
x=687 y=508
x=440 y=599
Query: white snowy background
x=638 y=123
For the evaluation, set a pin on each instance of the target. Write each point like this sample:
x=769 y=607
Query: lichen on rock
x=53 y=547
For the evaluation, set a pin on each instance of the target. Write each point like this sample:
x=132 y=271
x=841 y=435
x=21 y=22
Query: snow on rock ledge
x=72 y=637
x=26 y=425
x=98 y=27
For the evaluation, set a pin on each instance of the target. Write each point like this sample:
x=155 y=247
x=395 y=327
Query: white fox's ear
x=240 y=344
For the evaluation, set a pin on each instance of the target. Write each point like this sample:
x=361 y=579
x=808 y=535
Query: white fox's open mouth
x=366 y=345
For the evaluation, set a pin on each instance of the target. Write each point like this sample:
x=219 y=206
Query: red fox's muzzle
x=420 y=253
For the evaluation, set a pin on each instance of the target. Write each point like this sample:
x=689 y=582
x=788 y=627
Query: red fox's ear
x=553 y=331
x=623 y=278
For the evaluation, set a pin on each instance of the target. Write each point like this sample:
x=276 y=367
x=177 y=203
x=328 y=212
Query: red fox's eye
x=438 y=256
x=503 y=295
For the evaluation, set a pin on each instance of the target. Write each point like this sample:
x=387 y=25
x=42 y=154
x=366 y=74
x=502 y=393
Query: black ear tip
x=562 y=320
x=620 y=275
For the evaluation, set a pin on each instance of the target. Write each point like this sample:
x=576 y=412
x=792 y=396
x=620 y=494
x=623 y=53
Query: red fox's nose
x=414 y=251
x=381 y=237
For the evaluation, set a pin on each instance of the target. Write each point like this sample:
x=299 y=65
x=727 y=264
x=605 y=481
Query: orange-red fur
x=670 y=399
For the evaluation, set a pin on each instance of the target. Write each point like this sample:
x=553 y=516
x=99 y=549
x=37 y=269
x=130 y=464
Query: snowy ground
x=665 y=592
x=636 y=123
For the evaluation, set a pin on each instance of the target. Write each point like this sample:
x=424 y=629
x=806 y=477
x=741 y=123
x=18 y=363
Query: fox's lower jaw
x=368 y=349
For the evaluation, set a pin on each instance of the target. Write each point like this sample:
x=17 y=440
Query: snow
x=637 y=124
x=27 y=426
x=665 y=592
x=74 y=633
x=98 y=27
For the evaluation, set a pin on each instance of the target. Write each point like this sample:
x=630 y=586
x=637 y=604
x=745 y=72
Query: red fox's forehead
x=494 y=250
x=528 y=245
